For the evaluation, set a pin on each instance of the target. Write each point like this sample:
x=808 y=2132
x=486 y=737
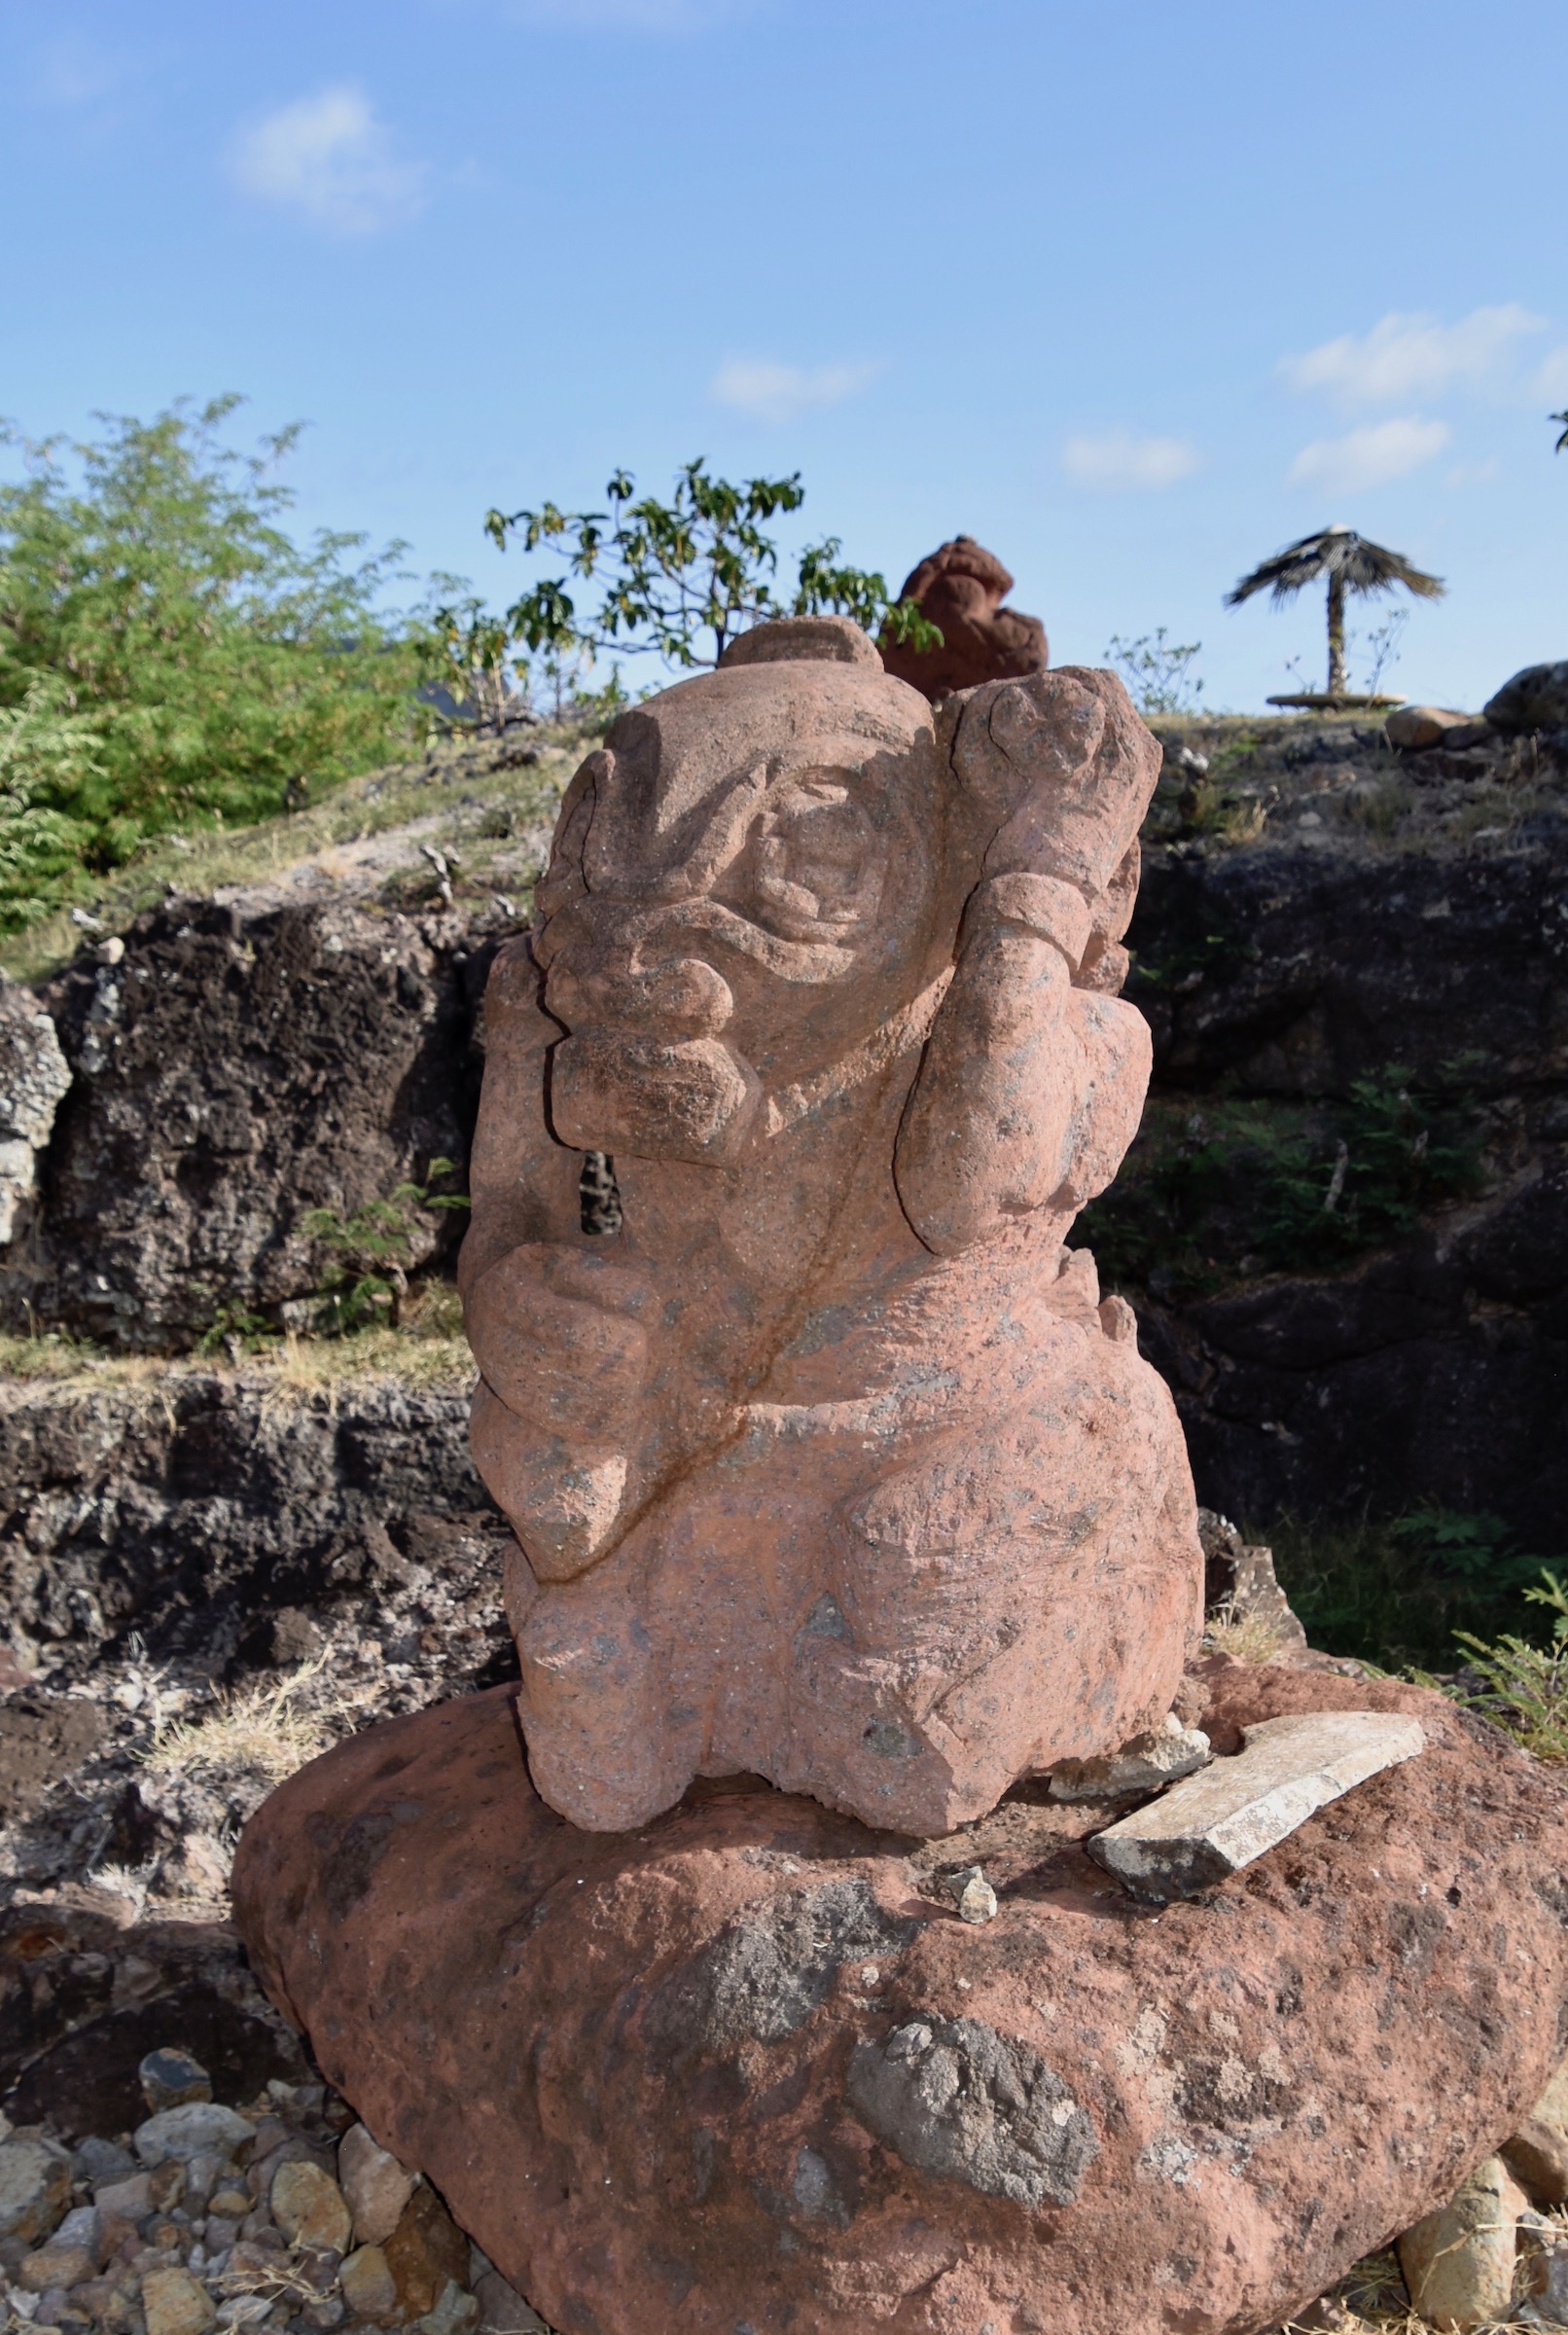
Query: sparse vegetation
x=170 y=658
x=1158 y=671
x=1417 y=1592
x=268 y=1728
x=366 y=1278
x=680 y=579
x=1239 y=1187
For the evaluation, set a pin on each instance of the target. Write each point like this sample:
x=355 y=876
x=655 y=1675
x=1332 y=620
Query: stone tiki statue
x=830 y=1465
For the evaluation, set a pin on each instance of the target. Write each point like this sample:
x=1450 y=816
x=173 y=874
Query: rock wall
x=1293 y=975
x=219 y=1516
x=231 y=1068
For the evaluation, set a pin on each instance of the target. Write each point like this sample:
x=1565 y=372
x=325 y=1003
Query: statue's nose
x=681 y=996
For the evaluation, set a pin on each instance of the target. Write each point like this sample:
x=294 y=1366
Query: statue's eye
x=817 y=860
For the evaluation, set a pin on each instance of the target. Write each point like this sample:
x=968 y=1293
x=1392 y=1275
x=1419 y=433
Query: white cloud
x=1368 y=456
x=1116 y=462
x=75 y=71
x=329 y=159
x=1551 y=377
x=1410 y=356
x=776 y=392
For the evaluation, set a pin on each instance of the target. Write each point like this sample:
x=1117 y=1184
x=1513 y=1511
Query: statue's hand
x=558 y=1335
x=1060 y=769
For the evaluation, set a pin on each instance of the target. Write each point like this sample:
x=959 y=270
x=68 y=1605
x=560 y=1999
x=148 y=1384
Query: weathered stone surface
x=176 y=2304
x=59 y=2263
x=960 y=590
x=1212 y=1824
x=309 y=2207
x=1459 y=2262
x=176 y=2135
x=1545 y=2283
x=368 y=2284
x=828 y=1465
x=376 y=2187
x=1534 y=698
x=195 y=1513
x=1537 y=2156
x=1418 y=726
x=425 y=2254
x=503 y=2309
x=230 y=1071
x=1552 y=2109
x=35 y=2186
x=33 y=1077
x=686 y=2147
x=1436 y=1366
x=1145 y=1765
x=170 y=2077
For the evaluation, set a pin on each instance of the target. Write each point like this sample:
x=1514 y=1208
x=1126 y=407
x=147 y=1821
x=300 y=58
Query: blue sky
x=1134 y=292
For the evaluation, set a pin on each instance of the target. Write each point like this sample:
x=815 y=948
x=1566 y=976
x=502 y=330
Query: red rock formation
x=961 y=589
x=747 y=2068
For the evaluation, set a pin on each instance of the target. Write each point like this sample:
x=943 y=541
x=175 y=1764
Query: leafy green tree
x=170 y=656
x=683 y=578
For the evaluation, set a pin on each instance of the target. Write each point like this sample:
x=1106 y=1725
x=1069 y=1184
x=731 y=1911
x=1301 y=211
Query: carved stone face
x=744 y=887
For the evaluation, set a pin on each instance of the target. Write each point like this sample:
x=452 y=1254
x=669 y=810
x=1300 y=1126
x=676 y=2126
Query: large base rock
x=748 y=2069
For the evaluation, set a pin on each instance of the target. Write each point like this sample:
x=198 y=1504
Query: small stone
x=376 y=2187
x=309 y=2207
x=1458 y=2263
x=131 y=2200
x=1210 y=1825
x=56 y=2265
x=424 y=2252
x=503 y=2311
x=1546 y=2285
x=242 y=2309
x=1412 y=727
x=165 y=2185
x=176 y=2304
x=55 y=2310
x=327 y=2311
x=169 y=2077
x=1553 y=2105
x=368 y=2284
x=1147 y=1764
x=185 y=2132
x=98 y=2161
x=83 y=2226
x=1537 y=2157
x=35 y=2187
x=457 y=2310
x=234 y=2204
x=977 y=1899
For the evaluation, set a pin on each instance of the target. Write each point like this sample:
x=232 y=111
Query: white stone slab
x=1211 y=1824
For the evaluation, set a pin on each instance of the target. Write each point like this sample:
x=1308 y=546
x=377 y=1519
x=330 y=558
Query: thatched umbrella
x=1351 y=564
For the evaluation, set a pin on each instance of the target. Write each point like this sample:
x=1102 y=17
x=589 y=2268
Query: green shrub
x=169 y=657
x=1409 y=1592
x=1208 y=1197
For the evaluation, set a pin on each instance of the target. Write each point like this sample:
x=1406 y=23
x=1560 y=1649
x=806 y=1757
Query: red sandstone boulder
x=960 y=588
x=749 y=2070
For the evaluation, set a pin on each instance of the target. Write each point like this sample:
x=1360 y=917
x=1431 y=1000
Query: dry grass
x=452 y=794
x=1243 y=1636
x=268 y=1728
x=426 y=1350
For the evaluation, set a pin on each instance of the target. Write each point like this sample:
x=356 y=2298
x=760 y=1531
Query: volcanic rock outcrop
x=960 y=590
x=751 y=2069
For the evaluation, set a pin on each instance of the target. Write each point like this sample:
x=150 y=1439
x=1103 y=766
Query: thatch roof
x=1365 y=566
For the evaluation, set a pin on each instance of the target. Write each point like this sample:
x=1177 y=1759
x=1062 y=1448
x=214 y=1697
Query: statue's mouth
x=654 y=1098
